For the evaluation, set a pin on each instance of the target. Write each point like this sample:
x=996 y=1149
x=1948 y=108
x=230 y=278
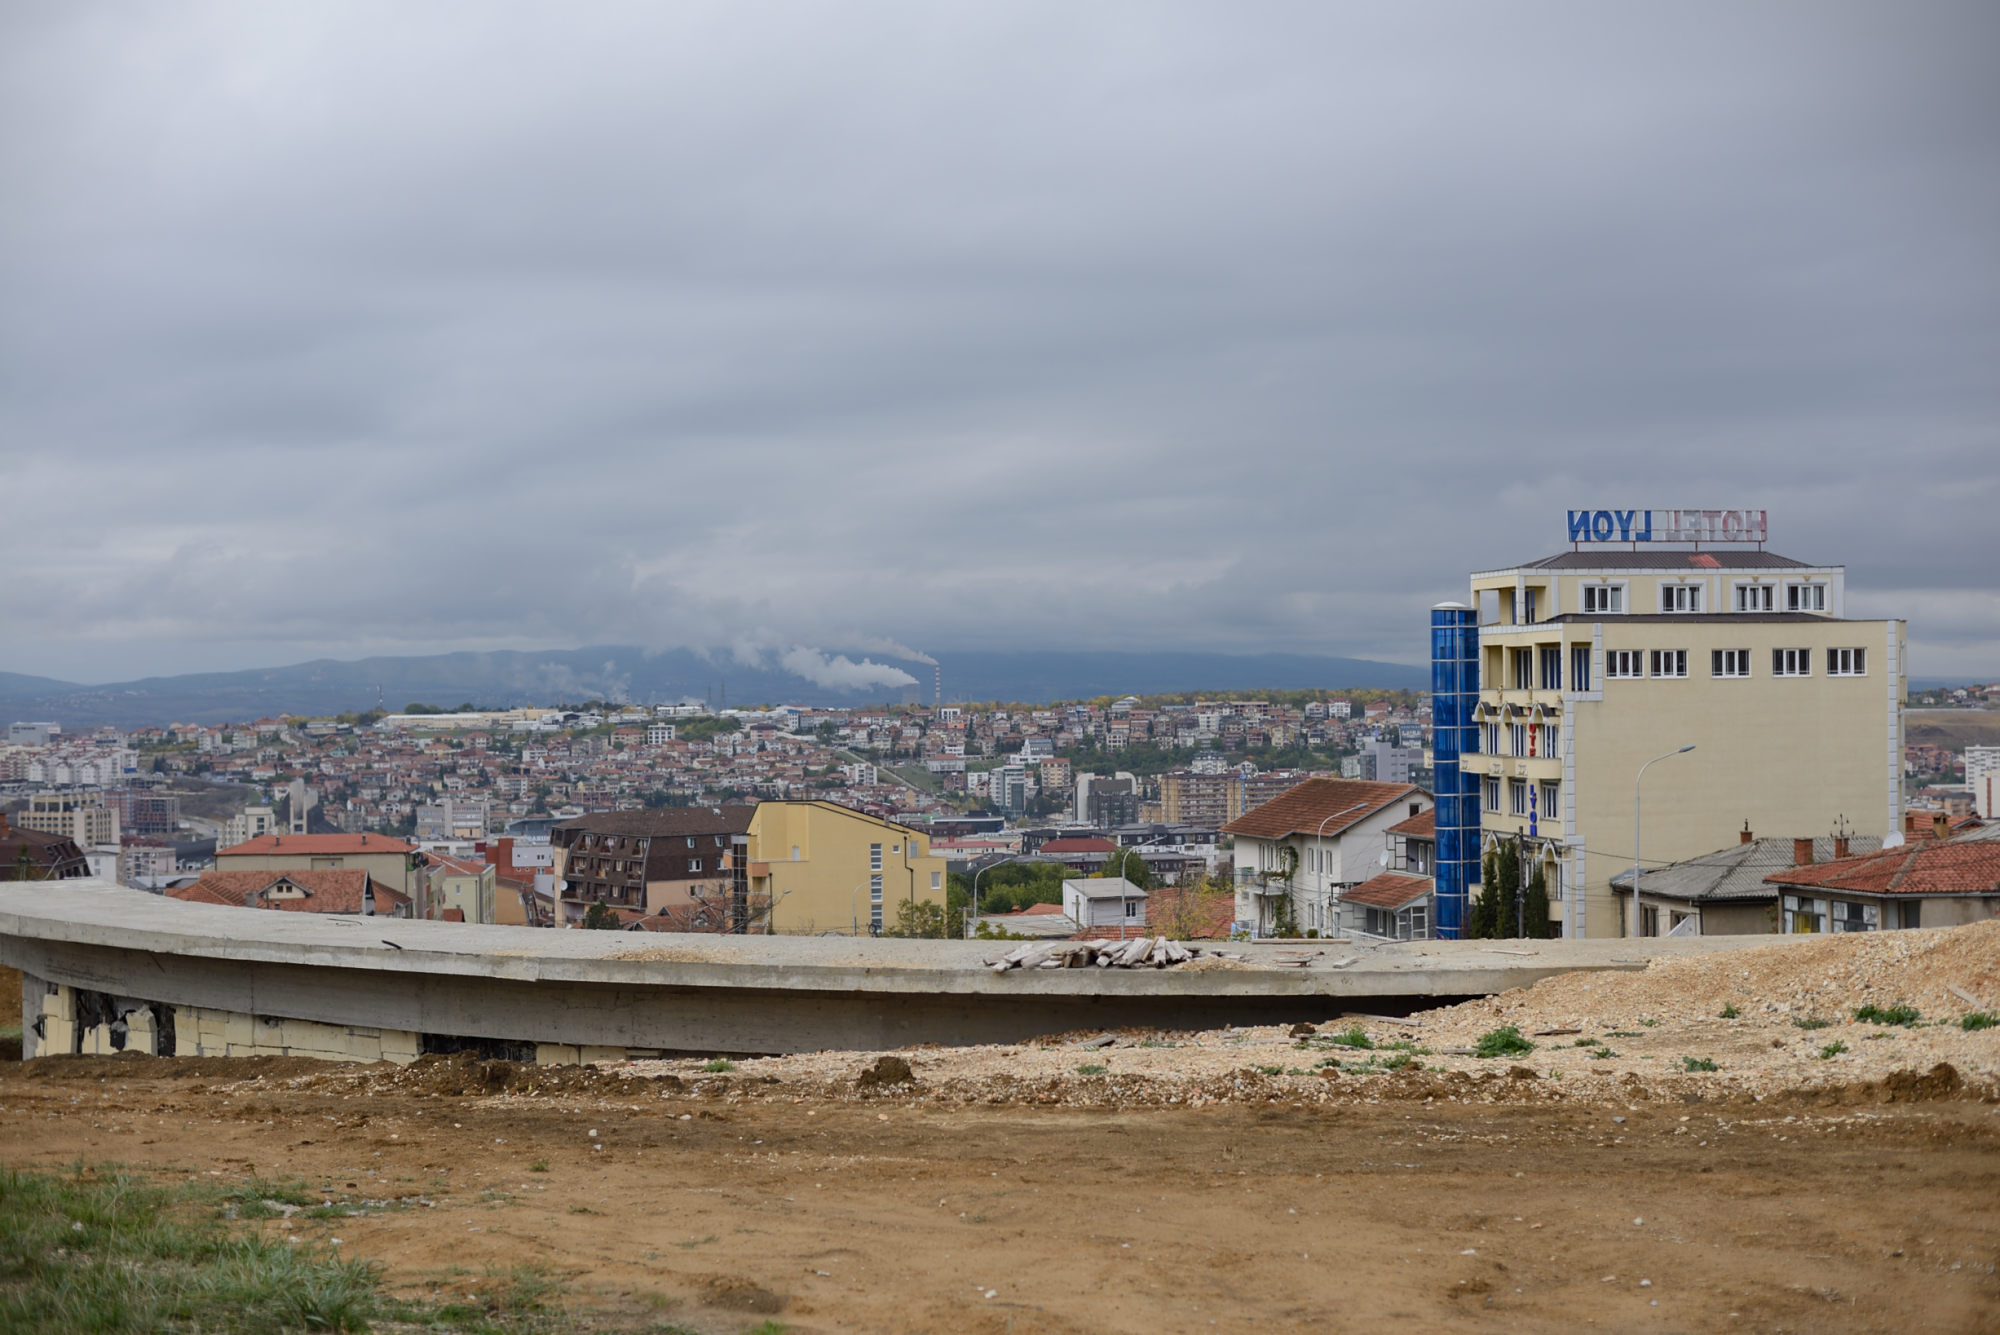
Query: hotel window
x=1551 y=740
x=875 y=857
x=1603 y=598
x=1579 y=667
x=1551 y=800
x=1517 y=735
x=1517 y=796
x=1552 y=668
x=1524 y=669
x=1680 y=597
x=1489 y=788
x=1791 y=662
x=1624 y=663
x=1492 y=739
x=1846 y=662
x=1670 y=662
x=1805 y=597
x=1729 y=663
x=1756 y=598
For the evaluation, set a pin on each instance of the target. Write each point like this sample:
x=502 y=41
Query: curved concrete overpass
x=107 y=968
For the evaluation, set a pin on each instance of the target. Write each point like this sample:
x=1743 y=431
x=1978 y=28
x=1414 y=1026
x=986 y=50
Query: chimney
x=1802 y=852
x=1747 y=836
x=364 y=838
x=1840 y=846
x=1941 y=825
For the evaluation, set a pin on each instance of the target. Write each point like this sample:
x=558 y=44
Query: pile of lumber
x=1146 y=952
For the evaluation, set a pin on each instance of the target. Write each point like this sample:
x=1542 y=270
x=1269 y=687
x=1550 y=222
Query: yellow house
x=827 y=868
x=1595 y=661
x=386 y=859
x=468 y=887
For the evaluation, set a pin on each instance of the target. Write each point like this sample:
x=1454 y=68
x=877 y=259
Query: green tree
x=599 y=918
x=1539 y=926
x=921 y=918
x=1485 y=909
x=1127 y=863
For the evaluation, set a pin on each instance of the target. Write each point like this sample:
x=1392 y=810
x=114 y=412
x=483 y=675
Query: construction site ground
x=1828 y=1174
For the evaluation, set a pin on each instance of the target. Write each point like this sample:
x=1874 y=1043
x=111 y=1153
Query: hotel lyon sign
x=1667 y=526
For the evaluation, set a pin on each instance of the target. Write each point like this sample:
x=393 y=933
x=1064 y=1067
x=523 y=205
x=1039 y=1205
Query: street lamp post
x=1638 y=922
x=972 y=918
x=1319 y=841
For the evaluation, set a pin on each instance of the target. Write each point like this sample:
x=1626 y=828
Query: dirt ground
x=1421 y=1201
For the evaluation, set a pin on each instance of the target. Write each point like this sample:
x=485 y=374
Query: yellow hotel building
x=1597 y=660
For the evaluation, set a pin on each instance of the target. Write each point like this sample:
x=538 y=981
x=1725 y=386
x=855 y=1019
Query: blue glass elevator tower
x=1454 y=695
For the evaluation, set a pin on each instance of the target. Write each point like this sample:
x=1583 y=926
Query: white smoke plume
x=841 y=673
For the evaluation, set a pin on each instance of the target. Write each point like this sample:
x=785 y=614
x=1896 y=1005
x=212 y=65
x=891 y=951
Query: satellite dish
x=1384 y=858
x=1894 y=839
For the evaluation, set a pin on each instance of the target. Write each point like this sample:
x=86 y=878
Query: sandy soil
x=1420 y=1203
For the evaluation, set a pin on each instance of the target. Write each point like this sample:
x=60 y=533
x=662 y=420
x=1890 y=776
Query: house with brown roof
x=681 y=861
x=1396 y=903
x=34 y=855
x=1932 y=883
x=1298 y=854
x=339 y=891
x=387 y=860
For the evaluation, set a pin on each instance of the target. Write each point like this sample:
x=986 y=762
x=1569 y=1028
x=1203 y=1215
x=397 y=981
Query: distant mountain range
x=547 y=677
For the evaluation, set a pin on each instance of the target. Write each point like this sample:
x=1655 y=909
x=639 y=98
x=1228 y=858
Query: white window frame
x=1624 y=664
x=1609 y=598
x=1517 y=739
x=1754 y=596
x=1551 y=741
x=1669 y=664
x=1551 y=798
x=875 y=889
x=1517 y=797
x=1800 y=593
x=1681 y=591
x=1791 y=662
x=1730 y=663
x=874 y=857
x=1847 y=662
x=1870 y=918
x=1489 y=793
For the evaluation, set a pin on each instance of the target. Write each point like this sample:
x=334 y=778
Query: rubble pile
x=1146 y=952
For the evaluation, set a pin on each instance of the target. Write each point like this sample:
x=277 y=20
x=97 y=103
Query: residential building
x=1591 y=663
x=1725 y=893
x=1380 y=761
x=1298 y=854
x=145 y=813
x=248 y=824
x=1982 y=777
x=81 y=817
x=822 y=867
x=37 y=855
x=33 y=734
x=1105 y=908
x=387 y=860
x=685 y=863
x=344 y=891
x=461 y=889
x=1932 y=883
x=1396 y=903
x=453 y=818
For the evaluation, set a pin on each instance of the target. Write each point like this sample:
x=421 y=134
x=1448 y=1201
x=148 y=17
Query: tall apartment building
x=1982 y=776
x=1593 y=662
x=79 y=817
x=1191 y=797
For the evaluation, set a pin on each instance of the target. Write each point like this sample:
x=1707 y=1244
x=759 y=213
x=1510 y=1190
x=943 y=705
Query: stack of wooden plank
x=1146 y=952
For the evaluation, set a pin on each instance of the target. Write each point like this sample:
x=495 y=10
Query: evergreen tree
x=1507 y=890
x=1539 y=926
x=1484 y=909
x=599 y=917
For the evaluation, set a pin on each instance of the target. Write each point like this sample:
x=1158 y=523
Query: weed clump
x=1698 y=1063
x=1832 y=1050
x=1897 y=1014
x=1506 y=1041
x=1978 y=1020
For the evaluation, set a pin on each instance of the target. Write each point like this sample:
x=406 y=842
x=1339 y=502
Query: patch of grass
x=1698 y=1064
x=1602 y=1054
x=1354 y=1037
x=1728 y=1012
x=1269 y=1070
x=767 y=1328
x=1402 y=1061
x=1832 y=1050
x=1978 y=1020
x=1506 y=1041
x=1156 y=1043
x=1649 y=1023
x=718 y=1066
x=1098 y=1068
x=692 y=1243
x=1812 y=1022
x=1588 y=1043
x=539 y=1166
x=1623 y=1033
x=1896 y=1014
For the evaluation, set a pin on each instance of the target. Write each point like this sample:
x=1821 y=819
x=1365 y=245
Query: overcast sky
x=353 y=329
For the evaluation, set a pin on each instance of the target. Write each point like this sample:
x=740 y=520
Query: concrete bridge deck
x=238 y=978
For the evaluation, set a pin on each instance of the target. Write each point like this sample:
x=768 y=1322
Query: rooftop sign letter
x=1668 y=526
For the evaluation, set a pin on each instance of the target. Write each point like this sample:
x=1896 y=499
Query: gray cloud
x=369 y=329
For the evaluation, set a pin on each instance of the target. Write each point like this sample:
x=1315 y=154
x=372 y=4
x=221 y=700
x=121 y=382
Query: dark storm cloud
x=388 y=329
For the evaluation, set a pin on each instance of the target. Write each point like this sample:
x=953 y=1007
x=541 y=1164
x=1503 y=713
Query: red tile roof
x=327 y=891
x=317 y=845
x=1932 y=867
x=1390 y=890
x=1423 y=825
x=1305 y=808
